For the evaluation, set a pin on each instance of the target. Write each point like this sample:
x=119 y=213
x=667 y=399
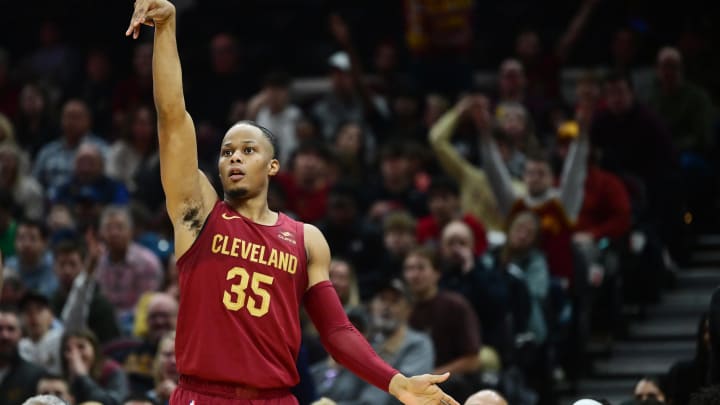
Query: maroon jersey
x=241 y=287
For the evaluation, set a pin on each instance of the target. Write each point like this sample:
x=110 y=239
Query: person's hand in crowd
x=151 y=13
x=339 y=29
x=76 y=365
x=479 y=111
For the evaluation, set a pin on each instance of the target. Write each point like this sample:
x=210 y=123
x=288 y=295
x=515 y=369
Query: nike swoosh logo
x=228 y=217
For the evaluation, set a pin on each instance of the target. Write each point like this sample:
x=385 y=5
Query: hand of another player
x=151 y=13
x=420 y=390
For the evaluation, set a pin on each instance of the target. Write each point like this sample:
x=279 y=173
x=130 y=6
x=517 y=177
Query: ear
x=274 y=167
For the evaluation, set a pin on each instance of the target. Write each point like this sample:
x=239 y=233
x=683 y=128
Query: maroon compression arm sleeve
x=344 y=343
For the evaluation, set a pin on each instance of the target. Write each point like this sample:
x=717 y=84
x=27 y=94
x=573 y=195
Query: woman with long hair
x=91 y=376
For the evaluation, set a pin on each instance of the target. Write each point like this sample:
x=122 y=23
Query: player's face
x=246 y=161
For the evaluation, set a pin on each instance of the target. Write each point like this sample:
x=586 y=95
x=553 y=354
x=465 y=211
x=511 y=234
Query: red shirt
x=428 y=230
x=606 y=211
x=309 y=205
x=241 y=287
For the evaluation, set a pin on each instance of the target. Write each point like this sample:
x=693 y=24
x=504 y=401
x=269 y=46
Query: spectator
x=625 y=50
x=271 y=109
x=126 y=270
x=396 y=188
x=512 y=88
x=634 y=142
x=55 y=385
x=161 y=318
x=399 y=228
x=92 y=378
x=306 y=183
x=449 y=320
x=486 y=397
x=557 y=208
x=15 y=177
x=165 y=371
x=97 y=91
x=648 y=389
x=351 y=237
x=444 y=206
x=41 y=346
x=12 y=289
x=89 y=181
x=343 y=278
x=440 y=39
x=8 y=224
x=347 y=100
x=21 y=377
x=515 y=136
x=127 y=158
x=351 y=149
x=54 y=162
x=44 y=400
x=55 y=62
x=78 y=289
x=499 y=297
x=34 y=262
x=35 y=126
x=690 y=376
x=137 y=89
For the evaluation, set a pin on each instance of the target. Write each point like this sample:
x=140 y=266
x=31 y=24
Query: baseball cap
x=33 y=297
x=396 y=285
x=339 y=60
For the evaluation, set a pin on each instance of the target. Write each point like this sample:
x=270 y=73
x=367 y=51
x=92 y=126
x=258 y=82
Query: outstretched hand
x=421 y=390
x=150 y=13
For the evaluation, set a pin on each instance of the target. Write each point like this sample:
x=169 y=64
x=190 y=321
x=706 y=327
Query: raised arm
x=454 y=164
x=347 y=346
x=190 y=197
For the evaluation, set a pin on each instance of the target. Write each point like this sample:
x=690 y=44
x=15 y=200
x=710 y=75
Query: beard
x=236 y=193
x=7 y=351
x=384 y=326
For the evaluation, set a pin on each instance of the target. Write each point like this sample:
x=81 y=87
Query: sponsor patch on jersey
x=287 y=237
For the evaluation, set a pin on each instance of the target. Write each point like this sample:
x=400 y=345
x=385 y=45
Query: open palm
x=423 y=390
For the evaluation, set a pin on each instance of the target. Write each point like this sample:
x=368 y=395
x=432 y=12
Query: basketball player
x=244 y=270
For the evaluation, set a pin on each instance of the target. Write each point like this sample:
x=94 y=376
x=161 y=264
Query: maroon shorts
x=193 y=391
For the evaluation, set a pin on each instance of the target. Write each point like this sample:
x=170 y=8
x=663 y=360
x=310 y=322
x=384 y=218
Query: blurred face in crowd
x=420 y=275
x=10 y=335
x=57 y=387
x=349 y=140
x=389 y=310
x=305 y=130
x=395 y=169
x=619 y=96
x=83 y=346
x=97 y=66
x=60 y=217
x=89 y=164
x=224 y=54
x=444 y=206
x=166 y=353
x=162 y=316
x=75 y=120
x=142 y=60
x=67 y=266
x=669 y=67
x=308 y=167
x=37 y=318
x=32 y=102
x=538 y=177
x=341 y=278
x=278 y=97
x=405 y=107
x=142 y=127
x=385 y=58
x=29 y=244
x=342 y=83
x=647 y=390
x=523 y=232
x=435 y=107
x=116 y=232
x=399 y=241
x=341 y=210
x=513 y=123
x=457 y=240
x=512 y=79
x=527 y=46
x=587 y=92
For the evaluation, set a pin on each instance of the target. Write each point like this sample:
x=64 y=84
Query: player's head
x=247 y=160
x=486 y=397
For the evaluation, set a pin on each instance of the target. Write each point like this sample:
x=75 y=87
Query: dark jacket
x=20 y=383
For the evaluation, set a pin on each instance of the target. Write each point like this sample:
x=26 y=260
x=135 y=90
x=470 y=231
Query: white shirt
x=44 y=353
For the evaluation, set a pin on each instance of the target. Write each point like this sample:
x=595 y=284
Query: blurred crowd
x=490 y=222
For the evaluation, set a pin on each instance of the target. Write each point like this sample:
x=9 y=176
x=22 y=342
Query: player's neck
x=255 y=209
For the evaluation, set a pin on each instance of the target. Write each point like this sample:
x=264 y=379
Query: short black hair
x=34 y=223
x=266 y=132
x=69 y=245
